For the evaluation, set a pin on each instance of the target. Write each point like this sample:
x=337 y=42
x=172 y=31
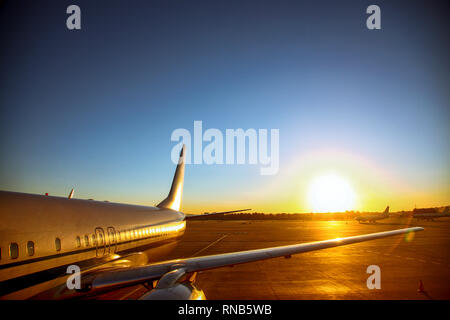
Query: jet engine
x=179 y=291
x=169 y=288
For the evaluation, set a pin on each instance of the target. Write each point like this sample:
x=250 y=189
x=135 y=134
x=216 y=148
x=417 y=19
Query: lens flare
x=409 y=236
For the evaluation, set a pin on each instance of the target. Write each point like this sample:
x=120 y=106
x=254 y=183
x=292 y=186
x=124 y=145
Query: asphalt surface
x=335 y=273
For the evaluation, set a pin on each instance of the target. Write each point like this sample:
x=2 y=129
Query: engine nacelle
x=179 y=291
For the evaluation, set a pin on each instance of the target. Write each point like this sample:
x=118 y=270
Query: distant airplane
x=432 y=215
x=43 y=238
x=374 y=217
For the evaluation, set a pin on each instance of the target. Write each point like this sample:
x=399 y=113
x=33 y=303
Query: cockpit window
x=14 y=250
x=30 y=248
x=58 y=244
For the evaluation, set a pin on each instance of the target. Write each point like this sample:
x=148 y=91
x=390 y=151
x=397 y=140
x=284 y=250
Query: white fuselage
x=40 y=236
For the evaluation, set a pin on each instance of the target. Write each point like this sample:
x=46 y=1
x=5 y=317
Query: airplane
x=374 y=217
x=432 y=215
x=43 y=239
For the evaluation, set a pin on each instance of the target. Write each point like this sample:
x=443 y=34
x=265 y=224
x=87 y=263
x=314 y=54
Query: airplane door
x=100 y=244
x=112 y=240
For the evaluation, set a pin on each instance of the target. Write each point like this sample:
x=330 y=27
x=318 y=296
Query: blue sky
x=94 y=109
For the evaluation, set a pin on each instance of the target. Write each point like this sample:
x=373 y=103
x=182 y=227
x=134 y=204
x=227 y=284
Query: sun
x=331 y=193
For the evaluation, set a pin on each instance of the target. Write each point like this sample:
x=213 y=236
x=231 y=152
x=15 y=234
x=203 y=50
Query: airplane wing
x=174 y=269
x=194 y=216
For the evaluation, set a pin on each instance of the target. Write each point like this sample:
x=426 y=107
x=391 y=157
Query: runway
x=335 y=273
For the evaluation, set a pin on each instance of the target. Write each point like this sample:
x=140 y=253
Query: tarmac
x=413 y=267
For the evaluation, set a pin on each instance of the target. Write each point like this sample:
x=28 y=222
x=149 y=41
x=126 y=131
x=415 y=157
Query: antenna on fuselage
x=71 y=194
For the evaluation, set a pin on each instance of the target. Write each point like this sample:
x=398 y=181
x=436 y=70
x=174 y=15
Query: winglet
x=173 y=200
x=71 y=194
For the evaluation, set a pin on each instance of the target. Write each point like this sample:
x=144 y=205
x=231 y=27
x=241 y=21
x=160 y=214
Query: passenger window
x=78 y=242
x=94 y=240
x=100 y=239
x=30 y=248
x=86 y=240
x=14 y=250
x=58 y=244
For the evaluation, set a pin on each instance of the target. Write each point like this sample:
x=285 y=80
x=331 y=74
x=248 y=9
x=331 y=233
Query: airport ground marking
x=211 y=244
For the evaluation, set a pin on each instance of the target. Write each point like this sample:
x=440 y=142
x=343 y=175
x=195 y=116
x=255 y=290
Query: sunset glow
x=331 y=193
